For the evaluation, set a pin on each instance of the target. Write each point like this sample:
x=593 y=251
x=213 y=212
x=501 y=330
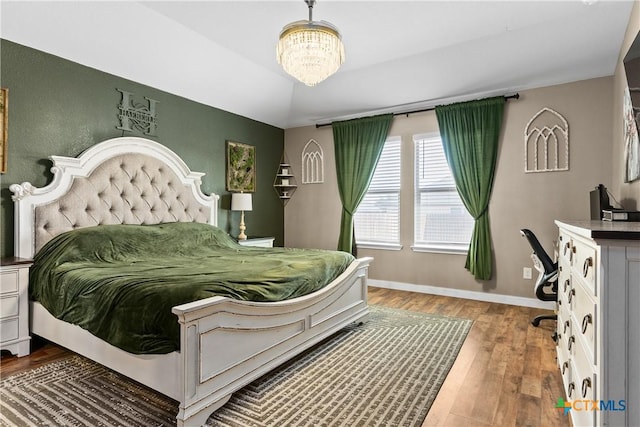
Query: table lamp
x=241 y=202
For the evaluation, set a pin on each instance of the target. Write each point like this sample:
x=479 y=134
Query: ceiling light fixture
x=310 y=50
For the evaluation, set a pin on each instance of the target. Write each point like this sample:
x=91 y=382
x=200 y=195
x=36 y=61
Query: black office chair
x=546 y=288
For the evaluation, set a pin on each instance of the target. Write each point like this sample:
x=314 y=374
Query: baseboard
x=459 y=293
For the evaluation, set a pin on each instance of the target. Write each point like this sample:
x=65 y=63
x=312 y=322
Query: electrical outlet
x=526 y=273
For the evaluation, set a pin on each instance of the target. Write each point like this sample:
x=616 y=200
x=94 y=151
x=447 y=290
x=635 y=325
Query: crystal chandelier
x=310 y=50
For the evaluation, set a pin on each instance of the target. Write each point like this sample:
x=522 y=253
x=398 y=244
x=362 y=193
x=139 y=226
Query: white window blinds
x=377 y=220
x=441 y=223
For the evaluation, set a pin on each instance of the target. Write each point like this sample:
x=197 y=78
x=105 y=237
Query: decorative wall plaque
x=139 y=116
x=312 y=163
x=546 y=142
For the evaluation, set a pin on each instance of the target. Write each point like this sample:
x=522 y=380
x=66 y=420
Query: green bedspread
x=120 y=281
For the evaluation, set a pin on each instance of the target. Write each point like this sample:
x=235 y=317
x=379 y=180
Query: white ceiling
x=400 y=55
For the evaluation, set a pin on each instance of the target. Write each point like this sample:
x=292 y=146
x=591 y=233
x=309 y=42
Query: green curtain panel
x=470 y=132
x=358 y=144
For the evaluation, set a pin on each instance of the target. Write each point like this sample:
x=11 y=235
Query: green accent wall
x=58 y=107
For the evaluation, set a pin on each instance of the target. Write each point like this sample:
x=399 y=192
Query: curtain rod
x=506 y=97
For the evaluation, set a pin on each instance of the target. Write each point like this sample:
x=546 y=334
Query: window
x=442 y=223
x=377 y=220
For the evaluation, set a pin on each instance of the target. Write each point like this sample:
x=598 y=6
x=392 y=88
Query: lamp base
x=242 y=236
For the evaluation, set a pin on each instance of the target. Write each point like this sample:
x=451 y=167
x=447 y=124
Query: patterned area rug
x=384 y=372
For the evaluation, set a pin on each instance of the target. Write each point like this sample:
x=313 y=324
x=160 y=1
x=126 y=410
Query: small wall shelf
x=285 y=182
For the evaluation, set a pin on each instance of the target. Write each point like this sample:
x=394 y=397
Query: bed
x=224 y=343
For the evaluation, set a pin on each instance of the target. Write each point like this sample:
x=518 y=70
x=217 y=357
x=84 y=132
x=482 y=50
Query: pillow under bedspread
x=120 y=281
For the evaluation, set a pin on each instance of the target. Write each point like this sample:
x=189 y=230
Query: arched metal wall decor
x=546 y=142
x=312 y=163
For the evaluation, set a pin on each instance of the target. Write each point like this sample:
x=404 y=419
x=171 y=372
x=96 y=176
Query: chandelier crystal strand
x=310 y=50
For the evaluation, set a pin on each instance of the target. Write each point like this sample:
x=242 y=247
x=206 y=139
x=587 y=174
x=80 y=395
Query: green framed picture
x=241 y=167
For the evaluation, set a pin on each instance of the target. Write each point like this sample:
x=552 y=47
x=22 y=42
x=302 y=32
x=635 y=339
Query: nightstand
x=262 y=242
x=14 y=305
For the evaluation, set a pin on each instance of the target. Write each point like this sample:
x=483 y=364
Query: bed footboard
x=226 y=343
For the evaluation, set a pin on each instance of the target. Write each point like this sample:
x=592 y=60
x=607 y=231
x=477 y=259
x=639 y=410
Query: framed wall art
x=4 y=127
x=241 y=167
x=631 y=112
x=631 y=139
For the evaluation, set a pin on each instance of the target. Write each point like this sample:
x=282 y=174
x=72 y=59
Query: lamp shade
x=241 y=202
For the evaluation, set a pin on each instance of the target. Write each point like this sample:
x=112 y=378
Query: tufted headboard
x=119 y=181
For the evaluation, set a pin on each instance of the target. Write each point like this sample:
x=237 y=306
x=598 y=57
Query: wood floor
x=505 y=374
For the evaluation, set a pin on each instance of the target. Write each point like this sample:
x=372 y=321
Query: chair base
x=536 y=320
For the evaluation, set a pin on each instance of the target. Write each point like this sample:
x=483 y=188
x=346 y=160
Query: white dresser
x=598 y=324
x=14 y=305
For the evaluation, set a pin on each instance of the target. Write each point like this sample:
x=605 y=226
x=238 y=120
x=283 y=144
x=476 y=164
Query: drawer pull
x=572 y=339
x=566 y=248
x=586 y=320
x=566 y=285
x=585 y=267
x=565 y=365
x=571 y=387
x=571 y=295
x=573 y=251
x=559 y=302
x=586 y=385
x=566 y=325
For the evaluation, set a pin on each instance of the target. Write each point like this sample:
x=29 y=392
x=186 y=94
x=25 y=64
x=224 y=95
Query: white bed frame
x=224 y=343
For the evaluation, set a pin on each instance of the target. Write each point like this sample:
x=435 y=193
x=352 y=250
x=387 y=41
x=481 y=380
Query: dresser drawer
x=9 y=306
x=8 y=330
x=14 y=307
x=8 y=282
x=584 y=319
x=564 y=289
x=583 y=374
x=584 y=264
x=584 y=379
x=564 y=248
x=565 y=371
x=566 y=335
x=564 y=364
x=563 y=324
